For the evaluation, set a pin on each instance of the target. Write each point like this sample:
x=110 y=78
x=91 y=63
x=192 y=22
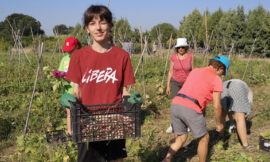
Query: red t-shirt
x=181 y=71
x=200 y=85
x=101 y=76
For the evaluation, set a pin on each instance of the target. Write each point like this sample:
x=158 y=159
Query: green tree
x=135 y=35
x=266 y=37
x=213 y=21
x=257 y=28
x=61 y=29
x=165 y=30
x=122 y=30
x=226 y=30
x=190 y=28
x=80 y=33
x=240 y=29
x=23 y=23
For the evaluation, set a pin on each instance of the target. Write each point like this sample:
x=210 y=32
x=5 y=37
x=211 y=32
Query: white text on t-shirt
x=100 y=75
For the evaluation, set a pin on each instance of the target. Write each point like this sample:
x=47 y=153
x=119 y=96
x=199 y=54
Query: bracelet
x=68 y=116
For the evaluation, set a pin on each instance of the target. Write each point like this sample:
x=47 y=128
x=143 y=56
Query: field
x=17 y=78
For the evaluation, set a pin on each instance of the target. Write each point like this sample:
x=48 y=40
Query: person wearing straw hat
x=71 y=44
x=202 y=86
x=236 y=100
x=181 y=65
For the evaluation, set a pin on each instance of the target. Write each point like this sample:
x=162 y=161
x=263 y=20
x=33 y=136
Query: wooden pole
x=206 y=29
x=35 y=84
x=140 y=60
x=144 y=90
x=168 y=54
x=231 y=50
x=252 y=49
x=141 y=38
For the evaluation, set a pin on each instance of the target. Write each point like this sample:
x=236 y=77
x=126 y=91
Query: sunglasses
x=182 y=47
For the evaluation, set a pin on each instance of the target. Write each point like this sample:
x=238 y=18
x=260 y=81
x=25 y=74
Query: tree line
x=231 y=31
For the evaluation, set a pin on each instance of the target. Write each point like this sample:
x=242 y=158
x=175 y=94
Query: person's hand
x=220 y=129
x=168 y=91
x=70 y=132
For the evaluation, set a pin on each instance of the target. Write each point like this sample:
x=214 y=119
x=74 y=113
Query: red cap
x=70 y=44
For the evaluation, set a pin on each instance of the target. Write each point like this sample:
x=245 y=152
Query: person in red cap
x=71 y=44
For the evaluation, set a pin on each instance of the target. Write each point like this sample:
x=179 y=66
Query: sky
x=140 y=13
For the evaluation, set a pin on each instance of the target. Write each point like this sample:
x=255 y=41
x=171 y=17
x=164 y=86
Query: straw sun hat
x=181 y=42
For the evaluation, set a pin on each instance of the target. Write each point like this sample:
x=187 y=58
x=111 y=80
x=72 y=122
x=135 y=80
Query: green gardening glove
x=66 y=97
x=135 y=97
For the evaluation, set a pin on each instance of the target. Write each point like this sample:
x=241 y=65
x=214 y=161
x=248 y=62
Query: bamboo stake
x=159 y=41
x=19 y=69
x=194 y=41
x=141 y=38
x=165 y=69
x=34 y=42
x=249 y=58
x=35 y=84
x=144 y=90
x=45 y=93
x=231 y=50
x=145 y=46
x=206 y=28
x=17 y=40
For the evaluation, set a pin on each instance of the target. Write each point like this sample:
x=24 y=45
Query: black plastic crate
x=105 y=122
x=264 y=144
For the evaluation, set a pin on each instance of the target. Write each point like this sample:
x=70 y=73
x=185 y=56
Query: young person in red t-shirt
x=101 y=73
x=201 y=87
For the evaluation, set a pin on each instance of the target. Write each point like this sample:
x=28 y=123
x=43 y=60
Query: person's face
x=181 y=50
x=221 y=72
x=99 y=29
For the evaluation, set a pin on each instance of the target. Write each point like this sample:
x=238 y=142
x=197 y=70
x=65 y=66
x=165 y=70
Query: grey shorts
x=234 y=98
x=175 y=87
x=183 y=117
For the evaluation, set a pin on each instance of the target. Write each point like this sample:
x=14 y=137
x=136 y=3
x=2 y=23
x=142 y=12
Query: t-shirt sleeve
x=172 y=57
x=74 y=71
x=218 y=86
x=61 y=66
x=128 y=72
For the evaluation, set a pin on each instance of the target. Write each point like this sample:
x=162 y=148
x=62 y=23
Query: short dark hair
x=98 y=10
x=217 y=65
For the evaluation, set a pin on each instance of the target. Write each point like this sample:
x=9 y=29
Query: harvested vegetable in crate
x=105 y=122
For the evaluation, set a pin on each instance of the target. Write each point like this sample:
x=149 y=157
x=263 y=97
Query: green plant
x=5 y=128
x=34 y=147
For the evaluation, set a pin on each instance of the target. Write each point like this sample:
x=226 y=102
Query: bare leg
x=68 y=121
x=241 y=127
x=230 y=117
x=178 y=143
x=203 y=147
